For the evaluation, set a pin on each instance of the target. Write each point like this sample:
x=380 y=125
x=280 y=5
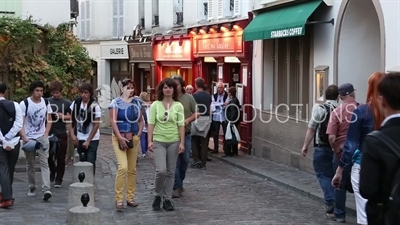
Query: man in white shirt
x=36 y=111
x=86 y=114
x=10 y=125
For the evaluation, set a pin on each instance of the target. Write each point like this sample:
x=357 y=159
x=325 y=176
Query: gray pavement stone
x=222 y=194
x=288 y=177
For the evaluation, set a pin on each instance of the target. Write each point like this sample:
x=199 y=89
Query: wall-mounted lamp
x=230 y=27
x=180 y=40
x=170 y=40
x=207 y=29
x=218 y=28
x=162 y=40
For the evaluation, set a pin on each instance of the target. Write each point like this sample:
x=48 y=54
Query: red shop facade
x=173 y=55
x=221 y=55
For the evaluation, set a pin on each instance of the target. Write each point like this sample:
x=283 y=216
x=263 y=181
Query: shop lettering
x=215 y=45
x=141 y=53
x=116 y=51
x=287 y=32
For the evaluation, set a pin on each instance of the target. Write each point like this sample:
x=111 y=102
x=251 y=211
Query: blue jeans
x=182 y=163
x=340 y=194
x=144 y=142
x=323 y=167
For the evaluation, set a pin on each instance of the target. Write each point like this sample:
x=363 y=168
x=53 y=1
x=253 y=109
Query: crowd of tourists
x=177 y=124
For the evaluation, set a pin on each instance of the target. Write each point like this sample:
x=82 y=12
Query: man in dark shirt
x=200 y=143
x=379 y=164
x=61 y=115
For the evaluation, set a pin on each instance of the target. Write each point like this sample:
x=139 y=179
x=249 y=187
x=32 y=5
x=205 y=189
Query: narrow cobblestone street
x=221 y=195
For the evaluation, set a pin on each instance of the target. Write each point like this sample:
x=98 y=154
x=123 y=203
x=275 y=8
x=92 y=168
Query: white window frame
x=118 y=15
x=210 y=9
x=84 y=20
x=223 y=9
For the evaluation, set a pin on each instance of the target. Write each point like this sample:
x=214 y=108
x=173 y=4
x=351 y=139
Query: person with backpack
x=380 y=164
x=10 y=124
x=323 y=154
x=85 y=117
x=37 y=125
x=362 y=123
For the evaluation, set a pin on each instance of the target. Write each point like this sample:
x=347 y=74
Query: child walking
x=145 y=112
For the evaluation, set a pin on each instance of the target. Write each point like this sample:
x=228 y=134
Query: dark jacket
x=378 y=166
x=233 y=111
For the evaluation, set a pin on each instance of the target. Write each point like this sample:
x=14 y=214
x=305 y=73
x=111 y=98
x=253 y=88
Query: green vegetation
x=30 y=52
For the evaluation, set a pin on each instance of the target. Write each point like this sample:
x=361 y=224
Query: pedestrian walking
x=338 y=126
x=11 y=121
x=182 y=163
x=60 y=116
x=363 y=123
x=127 y=124
x=380 y=172
x=86 y=114
x=35 y=133
x=145 y=113
x=166 y=136
x=323 y=154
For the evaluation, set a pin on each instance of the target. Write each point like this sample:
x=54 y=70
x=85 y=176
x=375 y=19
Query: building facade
x=221 y=55
x=313 y=44
x=51 y=12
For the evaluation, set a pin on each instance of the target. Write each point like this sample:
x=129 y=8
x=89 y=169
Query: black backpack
x=323 y=126
x=390 y=212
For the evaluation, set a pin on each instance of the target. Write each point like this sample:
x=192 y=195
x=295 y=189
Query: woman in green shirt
x=166 y=136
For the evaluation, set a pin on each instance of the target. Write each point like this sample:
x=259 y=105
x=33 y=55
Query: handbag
x=201 y=126
x=232 y=136
x=128 y=136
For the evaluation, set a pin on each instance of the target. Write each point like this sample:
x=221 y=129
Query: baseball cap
x=346 y=89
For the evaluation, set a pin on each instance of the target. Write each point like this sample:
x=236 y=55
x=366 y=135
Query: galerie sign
x=114 y=51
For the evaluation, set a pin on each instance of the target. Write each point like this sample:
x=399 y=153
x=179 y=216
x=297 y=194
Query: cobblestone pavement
x=222 y=194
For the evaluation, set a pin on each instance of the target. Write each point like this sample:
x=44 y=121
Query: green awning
x=280 y=23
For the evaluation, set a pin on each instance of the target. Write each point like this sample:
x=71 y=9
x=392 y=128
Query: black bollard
x=81 y=176
x=85 y=198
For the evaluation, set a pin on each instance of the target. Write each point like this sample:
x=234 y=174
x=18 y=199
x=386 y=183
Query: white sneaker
x=47 y=195
x=31 y=192
x=143 y=155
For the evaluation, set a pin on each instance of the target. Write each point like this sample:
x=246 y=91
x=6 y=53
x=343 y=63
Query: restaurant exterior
x=221 y=56
x=142 y=66
x=173 y=55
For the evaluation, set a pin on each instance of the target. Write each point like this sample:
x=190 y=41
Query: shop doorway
x=211 y=75
x=360 y=44
x=233 y=73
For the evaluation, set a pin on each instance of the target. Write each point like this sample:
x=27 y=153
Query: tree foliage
x=31 y=52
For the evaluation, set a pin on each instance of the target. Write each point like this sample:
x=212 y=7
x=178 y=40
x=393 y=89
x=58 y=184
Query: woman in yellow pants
x=127 y=124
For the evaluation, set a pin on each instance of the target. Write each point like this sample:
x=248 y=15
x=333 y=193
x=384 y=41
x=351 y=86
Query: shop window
x=291 y=76
x=119 y=66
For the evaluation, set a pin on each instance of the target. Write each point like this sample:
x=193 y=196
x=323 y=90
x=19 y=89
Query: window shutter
x=121 y=27
x=121 y=7
x=210 y=9
x=82 y=21
x=115 y=27
x=202 y=9
x=237 y=11
x=87 y=30
x=115 y=7
x=87 y=10
x=220 y=9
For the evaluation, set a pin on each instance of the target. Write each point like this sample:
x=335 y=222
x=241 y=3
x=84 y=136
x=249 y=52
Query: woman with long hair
x=127 y=124
x=232 y=116
x=365 y=119
x=166 y=137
